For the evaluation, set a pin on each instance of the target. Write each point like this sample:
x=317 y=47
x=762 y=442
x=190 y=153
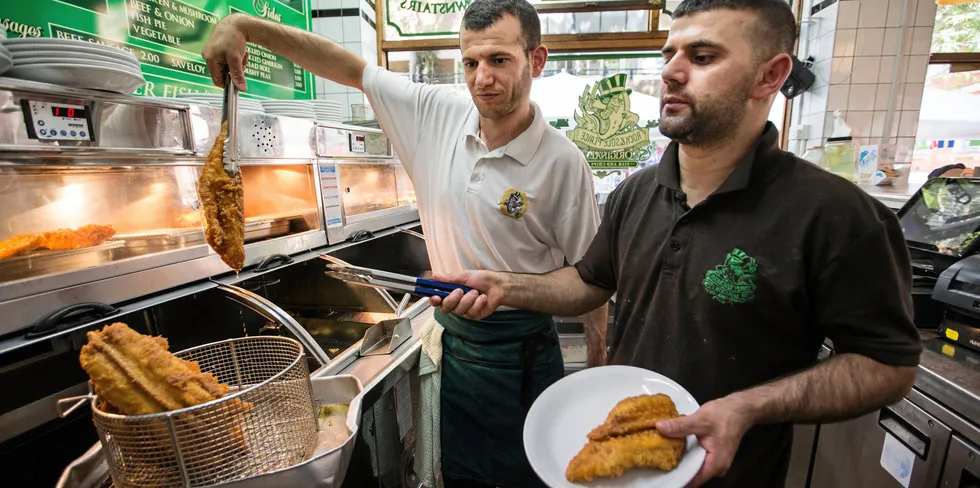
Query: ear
x=538 y=57
x=772 y=75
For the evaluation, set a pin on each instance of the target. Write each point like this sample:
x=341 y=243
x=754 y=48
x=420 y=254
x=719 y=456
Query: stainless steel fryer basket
x=267 y=423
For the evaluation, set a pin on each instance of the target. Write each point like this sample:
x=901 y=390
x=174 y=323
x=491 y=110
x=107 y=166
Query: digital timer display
x=69 y=112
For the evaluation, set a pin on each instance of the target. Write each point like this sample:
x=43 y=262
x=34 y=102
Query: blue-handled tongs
x=390 y=281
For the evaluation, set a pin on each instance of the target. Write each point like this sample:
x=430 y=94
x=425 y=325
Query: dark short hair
x=775 y=31
x=481 y=14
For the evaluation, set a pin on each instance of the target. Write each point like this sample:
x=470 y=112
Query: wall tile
x=862 y=97
x=896 y=122
x=847 y=14
x=841 y=70
x=909 y=123
x=881 y=96
x=366 y=9
x=903 y=149
x=885 y=69
x=874 y=13
x=921 y=40
x=828 y=123
x=818 y=99
x=889 y=41
x=868 y=42
x=837 y=97
x=883 y=92
x=329 y=27
x=865 y=69
x=822 y=47
x=913 y=96
x=352 y=29
x=917 y=69
x=925 y=13
x=877 y=124
x=371 y=57
x=369 y=36
x=907 y=40
x=822 y=72
x=860 y=122
x=894 y=13
x=355 y=47
x=844 y=42
x=331 y=87
x=350 y=3
x=331 y=4
x=826 y=19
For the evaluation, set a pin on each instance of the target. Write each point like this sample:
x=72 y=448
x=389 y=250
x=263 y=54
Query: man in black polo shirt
x=732 y=260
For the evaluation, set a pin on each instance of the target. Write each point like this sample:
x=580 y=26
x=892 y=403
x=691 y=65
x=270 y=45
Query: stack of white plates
x=78 y=64
x=290 y=108
x=6 y=59
x=328 y=110
x=218 y=99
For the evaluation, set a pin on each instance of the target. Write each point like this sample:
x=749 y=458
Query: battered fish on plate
x=223 y=203
x=611 y=458
x=635 y=414
x=629 y=439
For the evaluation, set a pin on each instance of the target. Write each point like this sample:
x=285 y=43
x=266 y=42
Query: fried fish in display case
x=61 y=219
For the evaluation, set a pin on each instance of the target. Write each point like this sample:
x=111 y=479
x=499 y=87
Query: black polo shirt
x=744 y=287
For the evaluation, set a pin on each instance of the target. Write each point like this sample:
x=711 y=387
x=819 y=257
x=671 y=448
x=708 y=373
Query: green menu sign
x=167 y=36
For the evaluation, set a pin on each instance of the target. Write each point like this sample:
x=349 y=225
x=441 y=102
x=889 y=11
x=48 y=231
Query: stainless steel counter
x=950 y=374
x=373 y=369
x=894 y=196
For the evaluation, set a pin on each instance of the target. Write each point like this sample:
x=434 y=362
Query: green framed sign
x=167 y=37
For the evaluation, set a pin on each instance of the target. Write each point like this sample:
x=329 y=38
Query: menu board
x=167 y=37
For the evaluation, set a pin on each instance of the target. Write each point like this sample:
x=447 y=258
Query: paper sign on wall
x=897 y=460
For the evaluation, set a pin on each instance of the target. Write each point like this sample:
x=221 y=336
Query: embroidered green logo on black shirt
x=733 y=282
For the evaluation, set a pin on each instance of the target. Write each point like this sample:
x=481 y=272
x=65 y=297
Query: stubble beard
x=706 y=124
x=521 y=87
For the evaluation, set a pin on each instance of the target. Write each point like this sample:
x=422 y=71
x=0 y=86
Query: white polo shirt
x=525 y=207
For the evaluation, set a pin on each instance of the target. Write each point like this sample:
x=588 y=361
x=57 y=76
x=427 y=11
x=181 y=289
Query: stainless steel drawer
x=848 y=453
x=962 y=468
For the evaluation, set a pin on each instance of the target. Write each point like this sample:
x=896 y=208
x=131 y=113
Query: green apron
x=492 y=370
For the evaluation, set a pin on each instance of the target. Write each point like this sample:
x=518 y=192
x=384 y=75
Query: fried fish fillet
x=635 y=414
x=134 y=374
x=20 y=244
x=84 y=236
x=137 y=375
x=612 y=457
x=223 y=203
x=56 y=240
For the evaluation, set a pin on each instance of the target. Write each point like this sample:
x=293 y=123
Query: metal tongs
x=391 y=281
x=229 y=114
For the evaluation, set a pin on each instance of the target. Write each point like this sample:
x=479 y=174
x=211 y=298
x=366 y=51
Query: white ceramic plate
x=65 y=46
x=101 y=63
x=69 y=52
x=67 y=58
x=80 y=76
x=558 y=423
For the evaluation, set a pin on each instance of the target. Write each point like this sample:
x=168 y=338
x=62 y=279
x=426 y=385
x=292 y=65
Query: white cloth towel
x=428 y=452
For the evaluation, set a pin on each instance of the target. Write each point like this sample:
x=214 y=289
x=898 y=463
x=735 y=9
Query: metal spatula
x=229 y=114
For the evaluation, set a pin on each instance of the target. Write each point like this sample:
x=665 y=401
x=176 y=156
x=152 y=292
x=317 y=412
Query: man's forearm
x=842 y=387
x=561 y=292
x=314 y=53
x=596 y=324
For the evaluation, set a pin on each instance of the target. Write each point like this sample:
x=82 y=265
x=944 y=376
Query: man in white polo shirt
x=498 y=189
